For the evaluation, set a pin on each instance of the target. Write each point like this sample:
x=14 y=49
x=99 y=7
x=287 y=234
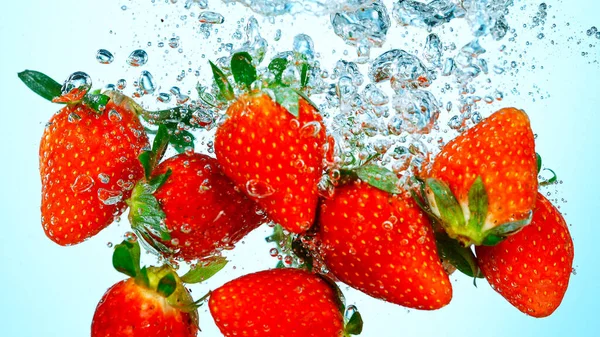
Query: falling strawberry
x=152 y=302
x=88 y=161
x=273 y=152
x=531 y=268
x=383 y=245
x=283 y=303
x=483 y=184
x=198 y=205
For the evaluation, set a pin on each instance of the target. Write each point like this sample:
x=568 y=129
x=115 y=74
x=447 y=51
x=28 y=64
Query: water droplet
x=109 y=197
x=130 y=237
x=82 y=183
x=310 y=129
x=109 y=244
x=104 y=178
x=186 y=228
x=137 y=58
x=146 y=83
x=73 y=118
x=273 y=252
x=174 y=42
x=259 y=189
x=163 y=97
x=77 y=85
x=368 y=25
x=104 y=56
x=387 y=225
x=114 y=116
x=211 y=18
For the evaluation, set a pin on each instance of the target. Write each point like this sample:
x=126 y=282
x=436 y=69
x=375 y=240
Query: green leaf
x=146 y=214
x=450 y=211
x=222 y=82
x=277 y=66
x=156 y=182
x=478 y=204
x=126 y=258
x=355 y=324
x=550 y=181
x=203 y=271
x=303 y=253
x=460 y=257
x=288 y=98
x=279 y=265
x=339 y=296
x=150 y=159
x=539 y=162
x=499 y=233
x=41 y=84
x=142 y=278
x=304 y=75
x=244 y=72
x=379 y=177
x=167 y=285
x=96 y=101
x=179 y=141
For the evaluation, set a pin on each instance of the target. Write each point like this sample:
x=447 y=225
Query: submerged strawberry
x=198 y=205
x=483 y=184
x=274 y=157
x=280 y=303
x=88 y=166
x=531 y=269
x=153 y=302
x=382 y=244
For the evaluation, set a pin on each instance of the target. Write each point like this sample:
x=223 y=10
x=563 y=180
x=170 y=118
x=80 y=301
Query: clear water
x=411 y=75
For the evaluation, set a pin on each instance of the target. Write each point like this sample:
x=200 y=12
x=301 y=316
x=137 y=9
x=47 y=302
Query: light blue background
x=49 y=290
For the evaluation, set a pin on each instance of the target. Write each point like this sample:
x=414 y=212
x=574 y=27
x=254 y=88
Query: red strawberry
x=153 y=302
x=531 y=268
x=280 y=302
x=88 y=166
x=274 y=157
x=483 y=184
x=383 y=245
x=202 y=209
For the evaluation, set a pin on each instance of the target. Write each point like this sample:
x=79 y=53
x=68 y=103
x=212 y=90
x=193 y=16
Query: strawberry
x=152 y=302
x=274 y=157
x=284 y=302
x=198 y=205
x=383 y=245
x=88 y=166
x=483 y=184
x=531 y=269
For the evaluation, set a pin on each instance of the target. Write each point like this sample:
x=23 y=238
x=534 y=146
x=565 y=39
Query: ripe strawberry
x=88 y=166
x=202 y=210
x=280 y=302
x=531 y=268
x=383 y=245
x=274 y=157
x=153 y=302
x=483 y=184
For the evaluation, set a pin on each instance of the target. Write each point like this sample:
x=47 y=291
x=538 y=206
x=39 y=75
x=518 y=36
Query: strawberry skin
x=501 y=151
x=203 y=209
x=88 y=166
x=275 y=158
x=531 y=269
x=277 y=303
x=384 y=246
x=130 y=310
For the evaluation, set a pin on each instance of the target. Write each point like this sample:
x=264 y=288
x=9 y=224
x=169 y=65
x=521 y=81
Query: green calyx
x=163 y=281
x=245 y=76
x=467 y=230
x=49 y=89
x=353 y=323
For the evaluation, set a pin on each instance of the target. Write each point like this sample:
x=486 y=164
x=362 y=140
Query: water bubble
x=121 y=84
x=174 y=42
x=211 y=18
x=369 y=24
x=109 y=244
x=104 y=178
x=418 y=14
x=404 y=69
x=186 y=228
x=303 y=44
x=146 y=82
x=137 y=58
x=104 y=56
x=433 y=50
x=114 y=116
x=273 y=252
x=130 y=237
x=109 y=197
x=78 y=84
x=418 y=110
x=259 y=189
x=82 y=183
x=73 y=118
x=163 y=97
